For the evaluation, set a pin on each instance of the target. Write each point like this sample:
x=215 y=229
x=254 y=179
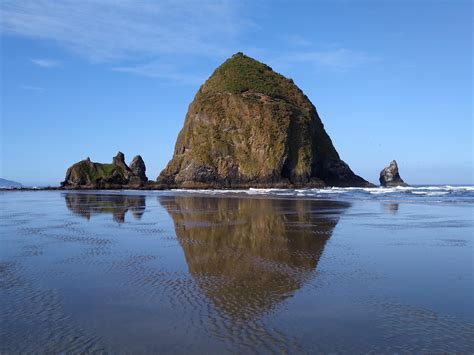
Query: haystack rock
x=389 y=176
x=91 y=175
x=251 y=127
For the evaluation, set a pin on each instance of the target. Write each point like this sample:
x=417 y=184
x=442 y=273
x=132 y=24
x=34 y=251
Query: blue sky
x=390 y=79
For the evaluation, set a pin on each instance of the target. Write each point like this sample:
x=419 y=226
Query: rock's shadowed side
x=251 y=127
x=390 y=177
x=138 y=169
x=91 y=175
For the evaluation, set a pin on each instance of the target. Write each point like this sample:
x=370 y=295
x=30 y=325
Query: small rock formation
x=90 y=175
x=138 y=169
x=119 y=161
x=249 y=126
x=389 y=176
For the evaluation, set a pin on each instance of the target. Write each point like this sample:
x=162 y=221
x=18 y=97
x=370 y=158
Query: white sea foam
x=437 y=193
x=416 y=193
x=430 y=193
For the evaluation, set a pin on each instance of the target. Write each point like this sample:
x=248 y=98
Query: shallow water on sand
x=192 y=273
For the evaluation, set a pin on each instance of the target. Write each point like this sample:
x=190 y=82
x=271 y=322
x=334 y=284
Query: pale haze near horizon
x=390 y=79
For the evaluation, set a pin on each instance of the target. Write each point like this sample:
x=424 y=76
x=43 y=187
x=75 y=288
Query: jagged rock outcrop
x=138 y=168
x=389 y=176
x=251 y=127
x=91 y=175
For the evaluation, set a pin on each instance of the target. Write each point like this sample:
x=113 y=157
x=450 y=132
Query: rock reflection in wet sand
x=87 y=204
x=391 y=207
x=204 y=274
x=247 y=254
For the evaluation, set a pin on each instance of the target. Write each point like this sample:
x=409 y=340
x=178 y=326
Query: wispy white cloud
x=140 y=37
x=298 y=40
x=45 y=63
x=32 y=88
x=161 y=70
x=107 y=30
x=340 y=59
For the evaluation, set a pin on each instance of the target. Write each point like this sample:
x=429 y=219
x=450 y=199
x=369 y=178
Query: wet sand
x=187 y=273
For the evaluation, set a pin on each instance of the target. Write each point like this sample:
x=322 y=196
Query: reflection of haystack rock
x=250 y=254
x=85 y=205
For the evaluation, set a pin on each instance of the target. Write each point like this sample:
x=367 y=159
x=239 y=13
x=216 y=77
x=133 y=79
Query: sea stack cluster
x=247 y=126
x=90 y=175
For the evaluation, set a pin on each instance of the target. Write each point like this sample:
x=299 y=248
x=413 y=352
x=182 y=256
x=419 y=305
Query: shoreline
x=231 y=188
x=160 y=187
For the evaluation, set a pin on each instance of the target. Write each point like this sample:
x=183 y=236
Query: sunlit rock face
x=249 y=254
x=86 y=205
x=249 y=126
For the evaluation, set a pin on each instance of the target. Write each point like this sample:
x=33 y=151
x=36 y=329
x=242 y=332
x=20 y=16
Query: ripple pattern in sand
x=181 y=274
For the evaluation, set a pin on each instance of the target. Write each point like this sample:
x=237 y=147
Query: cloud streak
x=32 y=88
x=167 y=71
x=104 y=31
x=46 y=63
x=160 y=39
x=340 y=59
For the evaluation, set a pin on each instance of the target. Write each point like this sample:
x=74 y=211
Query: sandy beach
x=195 y=272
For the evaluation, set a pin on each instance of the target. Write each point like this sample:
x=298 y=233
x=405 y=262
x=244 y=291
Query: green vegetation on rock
x=88 y=174
x=241 y=73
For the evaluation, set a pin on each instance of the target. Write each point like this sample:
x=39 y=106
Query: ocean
x=341 y=270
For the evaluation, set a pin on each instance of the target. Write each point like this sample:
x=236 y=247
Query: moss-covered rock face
x=251 y=127
x=88 y=174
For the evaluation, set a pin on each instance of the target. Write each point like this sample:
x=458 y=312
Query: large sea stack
x=90 y=175
x=249 y=126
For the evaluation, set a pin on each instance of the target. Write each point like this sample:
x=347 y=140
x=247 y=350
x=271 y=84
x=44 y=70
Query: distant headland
x=9 y=184
x=247 y=126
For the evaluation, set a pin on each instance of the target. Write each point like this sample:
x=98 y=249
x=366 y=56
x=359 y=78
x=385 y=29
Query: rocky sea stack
x=249 y=126
x=389 y=176
x=89 y=175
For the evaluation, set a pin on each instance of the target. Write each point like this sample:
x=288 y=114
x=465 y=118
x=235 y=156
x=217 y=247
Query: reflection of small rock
x=86 y=204
x=391 y=207
x=390 y=177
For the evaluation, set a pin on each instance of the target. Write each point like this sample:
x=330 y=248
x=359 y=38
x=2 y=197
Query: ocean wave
x=441 y=193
